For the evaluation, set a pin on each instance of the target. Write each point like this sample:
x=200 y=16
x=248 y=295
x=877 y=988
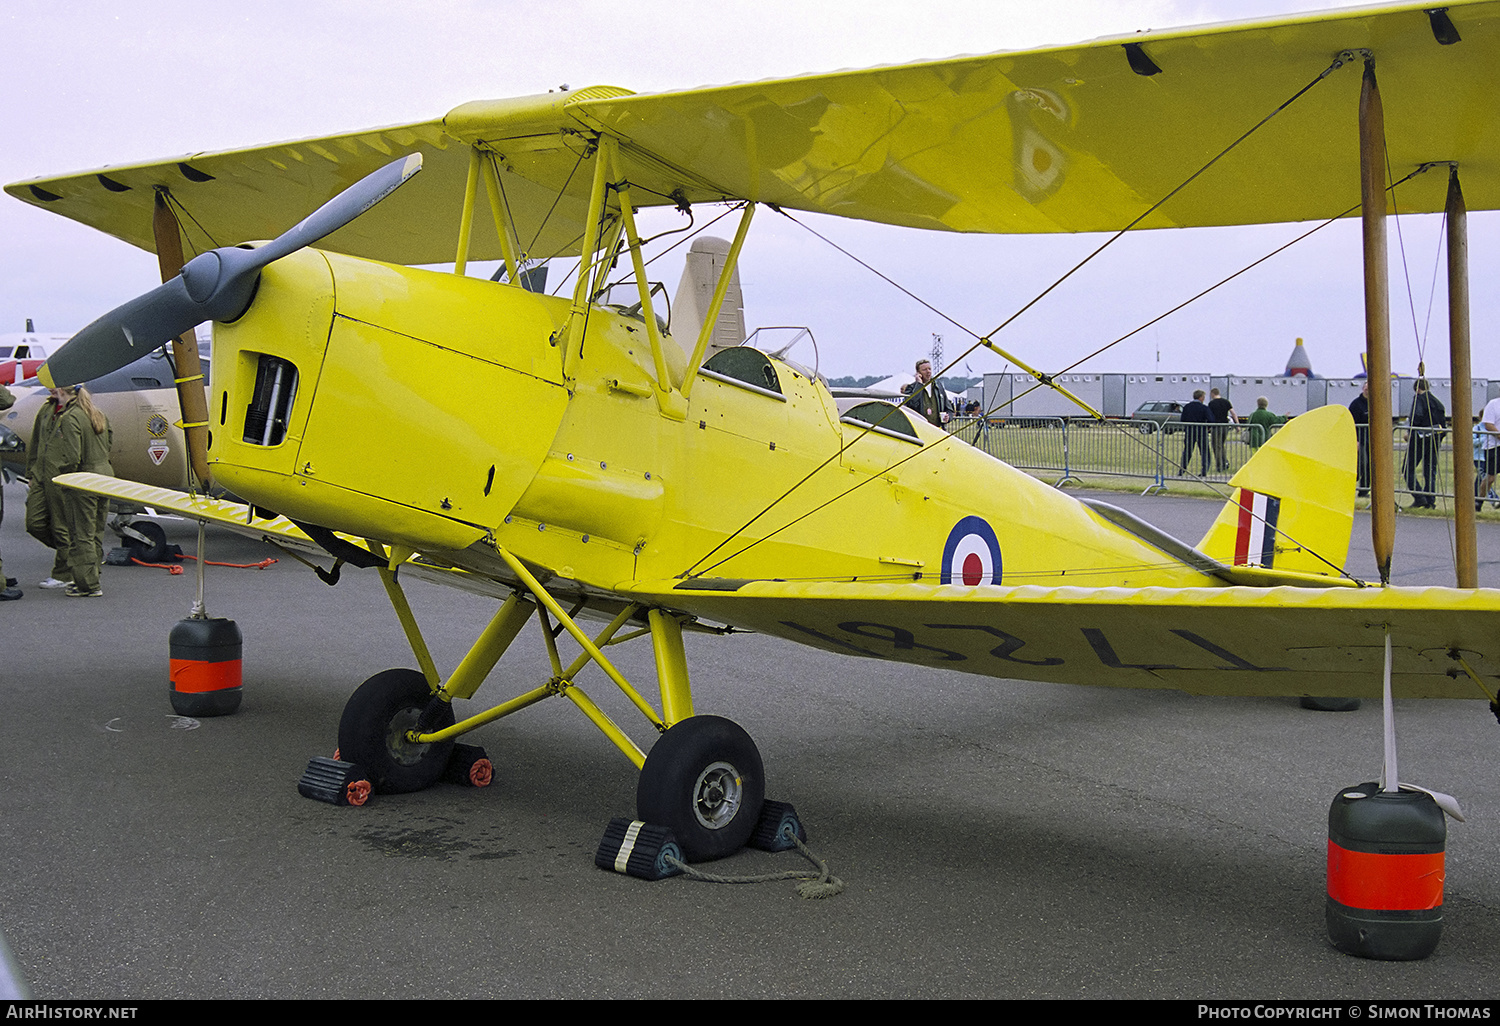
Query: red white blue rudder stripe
x=1255 y=534
x=972 y=554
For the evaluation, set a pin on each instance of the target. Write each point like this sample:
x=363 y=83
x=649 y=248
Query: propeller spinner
x=217 y=285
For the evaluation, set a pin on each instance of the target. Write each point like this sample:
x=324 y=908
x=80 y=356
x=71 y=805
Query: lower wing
x=273 y=529
x=1219 y=641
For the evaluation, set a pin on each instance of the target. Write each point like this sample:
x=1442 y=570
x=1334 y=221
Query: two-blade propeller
x=217 y=285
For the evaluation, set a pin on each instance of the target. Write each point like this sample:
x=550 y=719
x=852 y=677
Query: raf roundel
x=972 y=554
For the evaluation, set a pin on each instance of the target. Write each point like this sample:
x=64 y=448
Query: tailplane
x=1293 y=504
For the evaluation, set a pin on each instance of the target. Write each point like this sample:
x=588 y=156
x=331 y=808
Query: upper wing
x=1226 y=641
x=1072 y=139
x=1065 y=138
x=259 y=192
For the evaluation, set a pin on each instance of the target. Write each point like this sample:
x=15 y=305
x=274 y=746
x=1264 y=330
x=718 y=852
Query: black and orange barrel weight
x=205 y=667
x=1385 y=873
x=334 y=782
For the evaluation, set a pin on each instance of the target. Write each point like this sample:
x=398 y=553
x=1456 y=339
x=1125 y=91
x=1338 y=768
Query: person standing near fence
x=1195 y=421
x=1359 y=409
x=1222 y=411
x=1262 y=421
x=1423 y=442
x=1489 y=424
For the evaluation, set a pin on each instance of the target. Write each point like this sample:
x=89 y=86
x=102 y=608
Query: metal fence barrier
x=1140 y=450
x=1424 y=465
x=1158 y=454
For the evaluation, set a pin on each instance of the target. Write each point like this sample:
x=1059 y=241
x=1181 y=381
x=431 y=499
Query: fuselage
x=447 y=414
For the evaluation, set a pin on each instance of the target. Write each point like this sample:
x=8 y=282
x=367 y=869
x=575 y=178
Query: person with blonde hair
x=70 y=434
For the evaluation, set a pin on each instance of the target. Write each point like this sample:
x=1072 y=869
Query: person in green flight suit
x=70 y=434
x=1261 y=423
x=8 y=591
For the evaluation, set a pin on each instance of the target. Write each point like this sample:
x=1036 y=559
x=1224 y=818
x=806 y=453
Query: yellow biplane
x=573 y=459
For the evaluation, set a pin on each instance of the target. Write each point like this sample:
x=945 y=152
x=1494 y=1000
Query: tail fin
x=705 y=261
x=1293 y=504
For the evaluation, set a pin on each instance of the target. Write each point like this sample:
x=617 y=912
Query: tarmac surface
x=997 y=839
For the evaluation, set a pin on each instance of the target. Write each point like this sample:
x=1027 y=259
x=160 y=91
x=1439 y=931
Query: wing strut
x=1377 y=322
x=1467 y=554
x=668 y=400
x=711 y=316
x=582 y=294
x=192 y=404
x=502 y=220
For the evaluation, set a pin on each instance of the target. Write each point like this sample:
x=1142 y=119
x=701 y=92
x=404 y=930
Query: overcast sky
x=89 y=83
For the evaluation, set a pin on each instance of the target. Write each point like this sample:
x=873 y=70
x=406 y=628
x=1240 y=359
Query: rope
x=820 y=884
x=176 y=568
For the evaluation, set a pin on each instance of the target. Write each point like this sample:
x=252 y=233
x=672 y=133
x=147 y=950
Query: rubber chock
x=637 y=848
x=334 y=782
x=469 y=766
x=776 y=818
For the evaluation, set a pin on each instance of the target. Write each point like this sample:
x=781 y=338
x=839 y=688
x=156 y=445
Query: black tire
x=154 y=548
x=1330 y=704
x=372 y=732
x=704 y=781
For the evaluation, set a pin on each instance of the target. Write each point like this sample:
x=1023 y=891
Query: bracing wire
x=694 y=569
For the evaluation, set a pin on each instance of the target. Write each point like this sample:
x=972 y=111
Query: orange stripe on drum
x=194 y=676
x=1358 y=879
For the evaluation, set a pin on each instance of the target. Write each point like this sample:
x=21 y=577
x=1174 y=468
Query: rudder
x=1293 y=503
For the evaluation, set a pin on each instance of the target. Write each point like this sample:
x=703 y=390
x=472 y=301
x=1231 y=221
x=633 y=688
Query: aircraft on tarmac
x=22 y=353
x=141 y=403
x=572 y=458
x=147 y=441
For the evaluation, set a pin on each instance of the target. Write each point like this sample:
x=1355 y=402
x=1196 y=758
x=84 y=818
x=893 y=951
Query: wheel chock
x=334 y=782
x=637 y=848
x=469 y=766
x=776 y=818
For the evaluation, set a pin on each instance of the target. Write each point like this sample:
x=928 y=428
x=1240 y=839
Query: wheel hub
x=717 y=795
x=403 y=751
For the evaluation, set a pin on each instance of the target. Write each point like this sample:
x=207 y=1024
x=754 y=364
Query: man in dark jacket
x=1222 y=412
x=1195 y=421
x=1359 y=409
x=1423 y=441
x=929 y=398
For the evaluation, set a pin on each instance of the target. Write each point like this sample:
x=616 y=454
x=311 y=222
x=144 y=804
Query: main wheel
x=703 y=779
x=372 y=732
x=1329 y=704
x=154 y=548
